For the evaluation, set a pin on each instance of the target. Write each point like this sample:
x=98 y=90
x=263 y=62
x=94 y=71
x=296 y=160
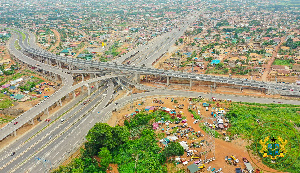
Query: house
x=193 y=168
x=64 y=52
x=283 y=72
x=268 y=55
x=285 y=48
x=269 y=50
x=6 y=86
x=18 y=96
x=215 y=61
x=273 y=73
x=5 y=61
x=278 y=67
x=296 y=68
x=85 y=56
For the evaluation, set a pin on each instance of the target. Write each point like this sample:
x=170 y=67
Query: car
x=13 y=153
x=238 y=170
x=47 y=120
x=62 y=120
x=16 y=123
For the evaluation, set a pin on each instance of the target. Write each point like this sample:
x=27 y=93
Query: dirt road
x=270 y=62
x=57 y=35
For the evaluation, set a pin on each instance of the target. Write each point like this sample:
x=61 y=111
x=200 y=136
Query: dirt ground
x=222 y=148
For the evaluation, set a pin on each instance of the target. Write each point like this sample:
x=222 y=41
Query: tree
x=106 y=158
x=173 y=149
x=180 y=40
x=99 y=136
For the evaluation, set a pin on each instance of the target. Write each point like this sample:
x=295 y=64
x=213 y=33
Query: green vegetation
x=17 y=46
x=133 y=147
x=102 y=59
x=254 y=122
x=290 y=43
x=222 y=23
x=267 y=43
x=218 y=69
x=287 y=62
x=5 y=103
x=13 y=77
x=209 y=131
x=196 y=116
x=31 y=84
x=241 y=70
x=180 y=40
x=113 y=50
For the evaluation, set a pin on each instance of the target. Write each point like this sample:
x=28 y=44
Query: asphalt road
x=46 y=140
x=67 y=88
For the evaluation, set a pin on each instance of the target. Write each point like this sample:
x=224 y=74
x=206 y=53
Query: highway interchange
x=55 y=141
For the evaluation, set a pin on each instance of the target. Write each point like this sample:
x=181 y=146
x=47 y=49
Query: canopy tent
x=184 y=145
x=193 y=168
x=168 y=109
x=205 y=104
x=155 y=126
x=220 y=121
x=172 y=138
x=248 y=166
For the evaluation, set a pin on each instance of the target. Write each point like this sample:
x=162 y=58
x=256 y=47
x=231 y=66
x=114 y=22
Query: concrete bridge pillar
x=47 y=111
x=15 y=133
x=89 y=89
x=74 y=95
x=191 y=83
x=82 y=77
x=55 y=77
x=81 y=88
x=168 y=80
x=215 y=86
x=60 y=103
x=32 y=121
x=136 y=77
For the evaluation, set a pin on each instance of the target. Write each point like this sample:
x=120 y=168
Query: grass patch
x=255 y=122
x=285 y=62
x=5 y=103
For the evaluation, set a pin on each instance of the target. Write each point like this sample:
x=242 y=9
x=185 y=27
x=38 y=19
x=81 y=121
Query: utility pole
x=211 y=92
x=192 y=66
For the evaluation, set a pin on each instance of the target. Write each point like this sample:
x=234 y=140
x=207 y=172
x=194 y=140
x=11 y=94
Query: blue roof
x=188 y=54
x=12 y=87
x=215 y=61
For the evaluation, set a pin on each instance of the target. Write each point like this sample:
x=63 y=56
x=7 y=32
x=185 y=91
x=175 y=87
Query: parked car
x=16 y=123
x=238 y=170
